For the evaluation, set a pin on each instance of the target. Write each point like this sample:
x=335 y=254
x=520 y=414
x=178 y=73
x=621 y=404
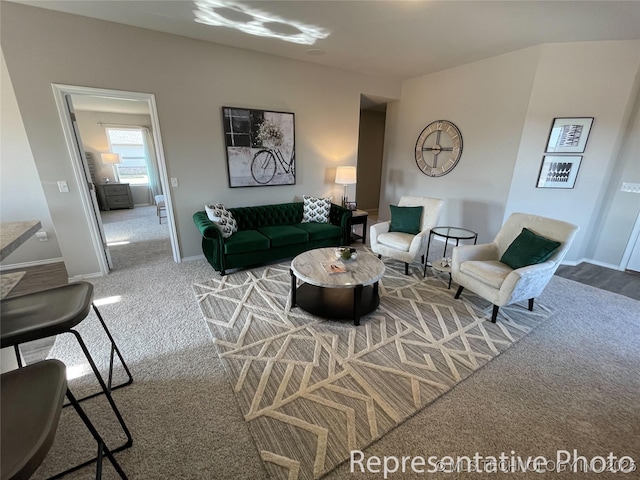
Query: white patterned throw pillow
x=316 y=209
x=223 y=219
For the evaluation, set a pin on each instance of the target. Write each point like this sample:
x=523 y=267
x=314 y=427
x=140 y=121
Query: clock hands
x=436 y=150
x=429 y=146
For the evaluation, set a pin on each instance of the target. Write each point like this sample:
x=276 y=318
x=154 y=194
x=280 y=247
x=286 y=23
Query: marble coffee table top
x=366 y=269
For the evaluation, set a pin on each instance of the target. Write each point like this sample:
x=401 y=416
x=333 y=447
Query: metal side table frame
x=448 y=233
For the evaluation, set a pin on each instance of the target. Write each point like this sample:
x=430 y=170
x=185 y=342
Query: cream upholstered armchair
x=519 y=242
x=402 y=246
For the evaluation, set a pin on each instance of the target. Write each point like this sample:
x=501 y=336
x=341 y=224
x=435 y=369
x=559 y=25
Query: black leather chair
x=57 y=311
x=32 y=399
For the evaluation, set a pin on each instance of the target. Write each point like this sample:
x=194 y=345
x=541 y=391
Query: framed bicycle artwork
x=260 y=147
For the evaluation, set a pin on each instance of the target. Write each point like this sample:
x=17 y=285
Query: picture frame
x=558 y=171
x=351 y=205
x=569 y=134
x=260 y=147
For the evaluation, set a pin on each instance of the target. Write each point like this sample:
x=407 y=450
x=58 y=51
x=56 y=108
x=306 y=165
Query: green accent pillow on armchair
x=405 y=219
x=529 y=248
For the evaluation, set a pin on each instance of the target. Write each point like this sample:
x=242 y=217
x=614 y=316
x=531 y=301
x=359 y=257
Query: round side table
x=453 y=233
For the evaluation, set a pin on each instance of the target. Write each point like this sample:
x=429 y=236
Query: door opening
x=373 y=113
x=123 y=191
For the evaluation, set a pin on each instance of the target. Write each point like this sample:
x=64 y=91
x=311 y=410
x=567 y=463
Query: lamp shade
x=111 y=158
x=346 y=175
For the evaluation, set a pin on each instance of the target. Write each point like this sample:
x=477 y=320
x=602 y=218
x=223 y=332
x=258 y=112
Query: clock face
x=438 y=148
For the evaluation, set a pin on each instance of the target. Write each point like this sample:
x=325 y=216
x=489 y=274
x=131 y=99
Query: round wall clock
x=438 y=148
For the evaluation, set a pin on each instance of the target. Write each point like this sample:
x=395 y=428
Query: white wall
x=504 y=107
x=621 y=209
x=21 y=195
x=488 y=102
x=191 y=80
x=586 y=79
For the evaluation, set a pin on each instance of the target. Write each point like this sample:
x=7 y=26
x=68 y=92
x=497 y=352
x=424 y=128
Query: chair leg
x=102 y=447
x=116 y=350
x=406 y=268
x=379 y=256
x=460 y=289
x=112 y=403
x=105 y=391
x=531 y=304
x=494 y=314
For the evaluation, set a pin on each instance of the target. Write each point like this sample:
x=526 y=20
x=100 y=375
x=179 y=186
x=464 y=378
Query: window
x=129 y=143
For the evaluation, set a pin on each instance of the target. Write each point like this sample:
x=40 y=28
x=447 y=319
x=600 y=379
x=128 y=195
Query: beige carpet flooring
x=572 y=383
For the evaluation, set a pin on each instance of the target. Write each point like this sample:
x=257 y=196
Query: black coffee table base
x=336 y=303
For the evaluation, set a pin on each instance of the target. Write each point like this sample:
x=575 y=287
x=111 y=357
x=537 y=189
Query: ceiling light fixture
x=225 y=13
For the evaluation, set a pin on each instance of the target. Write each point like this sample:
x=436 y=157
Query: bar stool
x=55 y=311
x=32 y=399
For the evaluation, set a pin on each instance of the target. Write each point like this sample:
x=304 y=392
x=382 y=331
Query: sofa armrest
x=212 y=240
x=207 y=228
x=341 y=217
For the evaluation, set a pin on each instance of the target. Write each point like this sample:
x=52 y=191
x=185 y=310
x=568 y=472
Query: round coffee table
x=347 y=295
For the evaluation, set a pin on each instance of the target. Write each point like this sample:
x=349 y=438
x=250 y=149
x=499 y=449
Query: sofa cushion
x=316 y=209
x=320 y=231
x=405 y=219
x=246 y=241
x=491 y=273
x=528 y=249
x=223 y=219
x=284 y=235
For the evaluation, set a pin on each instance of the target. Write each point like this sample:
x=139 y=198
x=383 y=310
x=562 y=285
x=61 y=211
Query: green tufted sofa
x=270 y=232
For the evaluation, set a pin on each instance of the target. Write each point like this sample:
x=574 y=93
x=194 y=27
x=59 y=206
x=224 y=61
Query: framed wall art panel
x=569 y=135
x=260 y=147
x=558 y=171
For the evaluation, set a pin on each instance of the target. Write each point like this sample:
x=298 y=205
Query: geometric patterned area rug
x=312 y=390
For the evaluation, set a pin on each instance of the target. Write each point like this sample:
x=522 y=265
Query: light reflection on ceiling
x=225 y=13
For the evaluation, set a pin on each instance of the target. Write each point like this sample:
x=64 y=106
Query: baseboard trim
x=85 y=276
x=191 y=259
x=36 y=263
x=573 y=263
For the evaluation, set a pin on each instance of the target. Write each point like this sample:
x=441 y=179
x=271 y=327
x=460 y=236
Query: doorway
x=373 y=112
x=116 y=150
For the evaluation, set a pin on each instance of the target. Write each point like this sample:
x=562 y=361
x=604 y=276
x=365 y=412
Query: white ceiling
x=395 y=39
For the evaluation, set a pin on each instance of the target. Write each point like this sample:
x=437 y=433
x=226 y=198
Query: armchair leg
x=460 y=288
x=406 y=268
x=531 y=304
x=379 y=256
x=494 y=314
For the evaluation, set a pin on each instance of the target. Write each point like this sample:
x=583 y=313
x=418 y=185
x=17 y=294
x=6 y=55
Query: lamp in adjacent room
x=112 y=159
x=345 y=176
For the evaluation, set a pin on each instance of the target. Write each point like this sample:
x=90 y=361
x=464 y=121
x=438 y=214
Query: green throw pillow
x=405 y=219
x=529 y=249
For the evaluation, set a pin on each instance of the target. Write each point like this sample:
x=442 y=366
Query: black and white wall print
x=260 y=147
x=559 y=171
x=569 y=135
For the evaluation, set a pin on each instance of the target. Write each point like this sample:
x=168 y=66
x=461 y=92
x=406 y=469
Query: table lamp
x=112 y=159
x=345 y=176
